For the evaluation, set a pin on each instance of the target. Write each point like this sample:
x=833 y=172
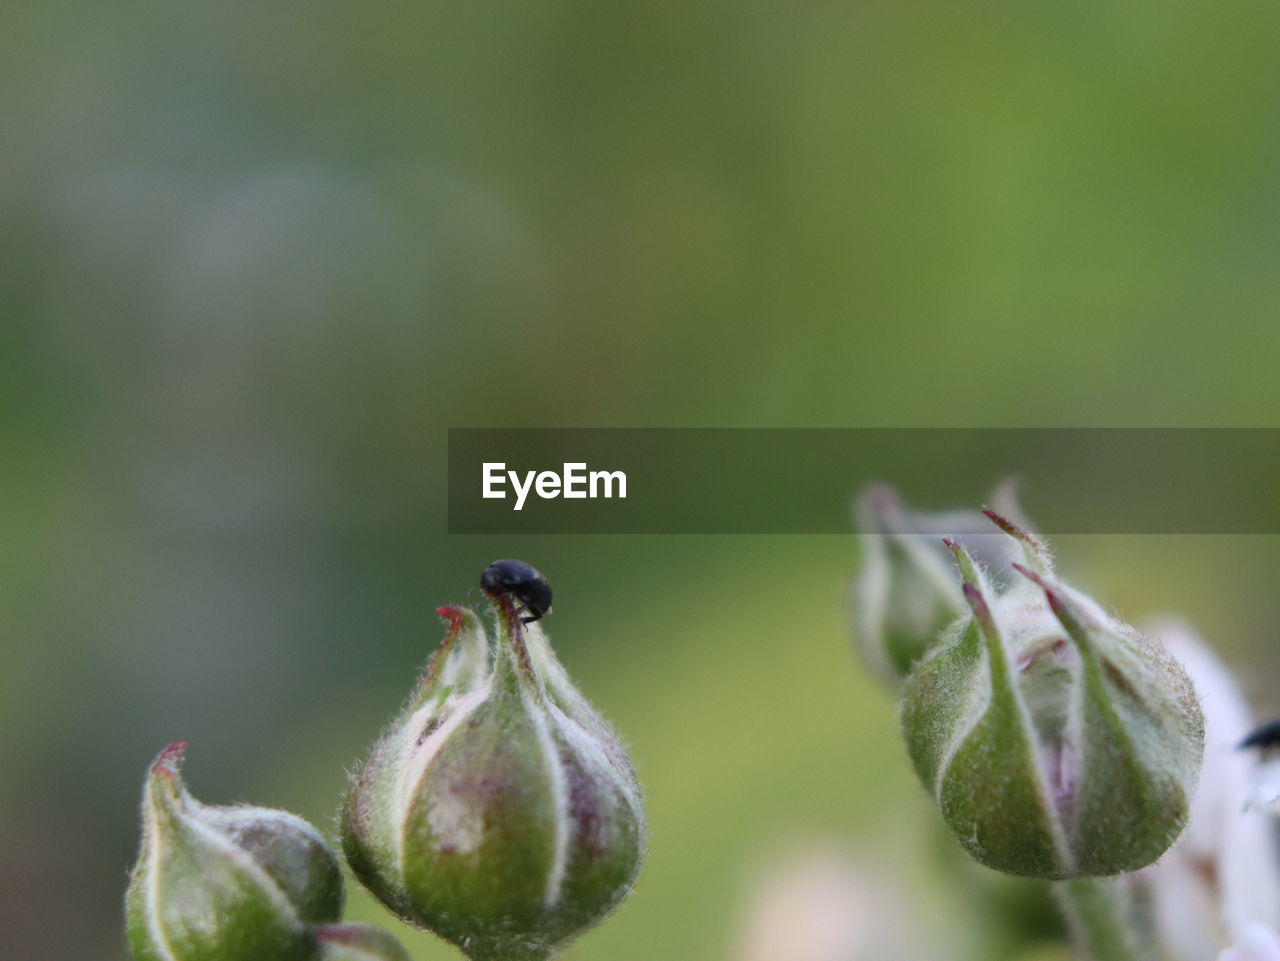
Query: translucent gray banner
x=801 y=481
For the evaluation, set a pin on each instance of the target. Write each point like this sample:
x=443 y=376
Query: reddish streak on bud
x=339 y=933
x=511 y=614
x=168 y=760
x=952 y=545
x=978 y=604
x=522 y=652
x=451 y=614
x=1056 y=601
x=455 y=617
x=1060 y=610
x=1032 y=576
x=584 y=808
x=1013 y=530
x=1059 y=650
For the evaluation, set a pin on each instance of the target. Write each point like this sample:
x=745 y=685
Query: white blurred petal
x=1257 y=943
x=1264 y=789
x=1223 y=873
x=820 y=905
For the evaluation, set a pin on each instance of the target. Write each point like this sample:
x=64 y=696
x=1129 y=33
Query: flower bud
x=225 y=883
x=906 y=593
x=499 y=809
x=1057 y=741
x=358 y=942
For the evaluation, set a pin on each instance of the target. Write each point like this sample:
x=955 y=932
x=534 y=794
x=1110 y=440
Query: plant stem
x=1101 y=916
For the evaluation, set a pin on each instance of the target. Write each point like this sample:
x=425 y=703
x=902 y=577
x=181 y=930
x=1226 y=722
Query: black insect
x=522 y=581
x=1266 y=737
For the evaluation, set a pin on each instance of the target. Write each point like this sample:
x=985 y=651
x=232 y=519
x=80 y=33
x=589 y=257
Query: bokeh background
x=256 y=257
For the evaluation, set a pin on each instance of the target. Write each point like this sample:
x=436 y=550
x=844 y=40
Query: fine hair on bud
x=1057 y=741
x=905 y=594
x=225 y=883
x=499 y=810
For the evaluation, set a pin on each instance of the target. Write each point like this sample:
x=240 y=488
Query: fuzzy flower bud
x=906 y=593
x=225 y=883
x=498 y=810
x=1058 y=742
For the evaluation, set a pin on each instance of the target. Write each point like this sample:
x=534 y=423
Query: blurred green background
x=255 y=258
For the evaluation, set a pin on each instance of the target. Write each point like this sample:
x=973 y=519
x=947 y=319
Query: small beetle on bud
x=1057 y=741
x=225 y=883
x=1265 y=737
x=499 y=810
x=1264 y=792
x=522 y=581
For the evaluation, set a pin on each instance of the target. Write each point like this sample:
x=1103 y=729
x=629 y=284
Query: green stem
x=1101 y=916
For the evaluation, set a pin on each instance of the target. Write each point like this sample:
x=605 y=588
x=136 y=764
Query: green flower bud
x=905 y=593
x=499 y=810
x=225 y=883
x=1058 y=742
x=358 y=942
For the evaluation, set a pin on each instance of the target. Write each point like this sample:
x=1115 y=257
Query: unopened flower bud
x=1057 y=741
x=358 y=942
x=905 y=593
x=225 y=883
x=499 y=810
